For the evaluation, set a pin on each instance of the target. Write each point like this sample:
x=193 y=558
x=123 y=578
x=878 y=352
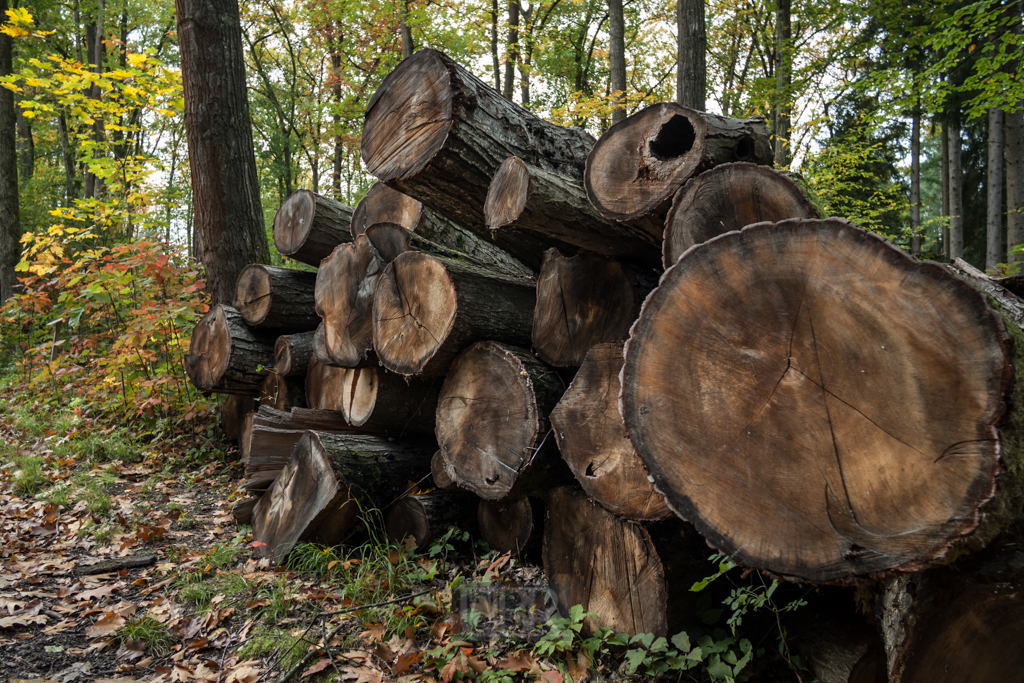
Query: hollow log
x=592 y=438
x=492 y=422
x=385 y=205
x=846 y=393
x=428 y=309
x=292 y=353
x=437 y=133
x=512 y=526
x=283 y=393
x=232 y=414
x=345 y=287
x=315 y=496
x=726 y=198
x=639 y=163
x=555 y=210
x=427 y=516
x=276 y=297
x=442 y=480
x=226 y=356
x=582 y=300
x=308 y=226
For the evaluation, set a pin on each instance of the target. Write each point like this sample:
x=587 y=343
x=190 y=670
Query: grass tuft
x=155 y=636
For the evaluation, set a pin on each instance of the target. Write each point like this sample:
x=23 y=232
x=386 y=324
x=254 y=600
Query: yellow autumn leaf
x=19 y=15
x=137 y=59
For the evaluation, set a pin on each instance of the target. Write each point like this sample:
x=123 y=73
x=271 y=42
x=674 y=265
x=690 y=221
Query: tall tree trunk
x=691 y=69
x=10 y=224
x=70 y=178
x=407 y=44
x=783 y=80
x=915 y=183
x=94 y=42
x=994 y=253
x=617 y=58
x=526 y=53
x=229 y=232
x=495 y=61
x=27 y=147
x=944 y=132
x=339 y=144
x=512 y=50
x=1014 y=153
x=956 y=191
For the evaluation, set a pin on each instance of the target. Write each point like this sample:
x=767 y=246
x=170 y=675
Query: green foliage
x=29 y=475
x=155 y=636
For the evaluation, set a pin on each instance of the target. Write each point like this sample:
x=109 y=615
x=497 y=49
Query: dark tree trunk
x=783 y=82
x=956 y=191
x=511 y=49
x=495 y=61
x=691 y=63
x=617 y=59
x=944 y=132
x=994 y=241
x=915 y=183
x=27 y=146
x=229 y=230
x=339 y=141
x=309 y=226
x=1014 y=158
x=224 y=354
x=407 y=45
x=276 y=297
x=10 y=222
x=345 y=287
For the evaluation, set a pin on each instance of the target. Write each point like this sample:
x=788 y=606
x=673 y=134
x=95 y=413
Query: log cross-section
x=345 y=287
x=226 y=356
x=308 y=226
x=276 y=297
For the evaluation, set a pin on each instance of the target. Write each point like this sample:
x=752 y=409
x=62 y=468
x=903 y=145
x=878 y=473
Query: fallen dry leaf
x=107 y=625
x=318 y=667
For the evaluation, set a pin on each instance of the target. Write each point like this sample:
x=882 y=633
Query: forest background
x=903 y=117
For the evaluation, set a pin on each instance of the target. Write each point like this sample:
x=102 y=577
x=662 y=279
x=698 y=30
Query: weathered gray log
x=226 y=356
x=345 y=287
x=241 y=510
x=276 y=297
x=308 y=226
x=292 y=353
x=427 y=516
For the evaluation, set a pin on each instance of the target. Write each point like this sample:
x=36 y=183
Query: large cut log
x=512 y=526
x=593 y=440
x=427 y=516
x=232 y=414
x=555 y=211
x=582 y=300
x=438 y=133
x=438 y=472
x=392 y=239
x=276 y=297
x=309 y=226
x=292 y=353
x=492 y=422
x=226 y=356
x=385 y=205
x=328 y=478
x=345 y=286
x=639 y=163
x=267 y=450
x=428 y=309
x=283 y=393
x=727 y=198
x=847 y=394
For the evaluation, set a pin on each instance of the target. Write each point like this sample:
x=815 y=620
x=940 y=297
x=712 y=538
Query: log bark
x=427 y=516
x=283 y=393
x=385 y=205
x=592 y=438
x=438 y=133
x=224 y=354
x=315 y=497
x=727 y=198
x=492 y=422
x=512 y=526
x=639 y=164
x=857 y=426
x=308 y=226
x=392 y=239
x=232 y=414
x=426 y=310
x=556 y=212
x=582 y=300
x=276 y=297
x=345 y=287
x=273 y=448
x=292 y=353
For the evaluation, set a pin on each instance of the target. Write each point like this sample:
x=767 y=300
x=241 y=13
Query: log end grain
x=508 y=193
x=209 y=350
x=344 y=293
x=385 y=205
x=254 y=294
x=389 y=239
x=293 y=221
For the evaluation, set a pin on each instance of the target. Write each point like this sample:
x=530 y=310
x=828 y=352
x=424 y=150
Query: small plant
x=29 y=478
x=278 y=600
x=318 y=560
x=266 y=642
x=58 y=495
x=155 y=636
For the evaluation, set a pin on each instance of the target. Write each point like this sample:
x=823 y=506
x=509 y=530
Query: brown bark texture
x=292 y=353
x=308 y=226
x=232 y=414
x=224 y=354
x=345 y=288
x=267 y=296
x=691 y=54
x=427 y=516
x=1014 y=161
x=10 y=223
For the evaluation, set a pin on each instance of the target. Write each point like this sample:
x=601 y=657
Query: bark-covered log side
x=276 y=297
x=345 y=287
x=379 y=401
x=727 y=198
x=592 y=438
x=392 y=239
x=232 y=414
x=492 y=422
x=283 y=393
x=225 y=355
x=437 y=133
x=292 y=353
x=857 y=424
x=309 y=226
x=638 y=164
x=555 y=210
x=582 y=300
x=428 y=309
x=427 y=516
x=512 y=526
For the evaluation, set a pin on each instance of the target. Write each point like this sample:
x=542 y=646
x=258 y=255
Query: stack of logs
x=582 y=343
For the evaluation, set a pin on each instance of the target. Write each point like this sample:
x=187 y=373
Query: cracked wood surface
x=345 y=287
x=817 y=403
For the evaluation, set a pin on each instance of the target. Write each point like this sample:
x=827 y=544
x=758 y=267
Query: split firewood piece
x=511 y=526
x=582 y=300
x=267 y=450
x=438 y=133
x=727 y=198
x=315 y=496
x=308 y=226
x=292 y=353
x=428 y=309
x=606 y=564
x=296 y=420
x=492 y=422
x=232 y=414
x=554 y=208
x=847 y=394
x=385 y=205
x=427 y=516
x=593 y=440
x=439 y=473
x=241 y=510
x=639 y=163
x=283 y=393
x=226 y=356
x=345 y=287
x=276 y=297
